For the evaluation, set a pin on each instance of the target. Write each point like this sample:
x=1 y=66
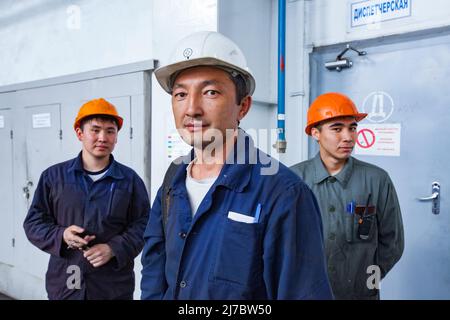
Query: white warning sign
x=378 y=139
x=42 y=120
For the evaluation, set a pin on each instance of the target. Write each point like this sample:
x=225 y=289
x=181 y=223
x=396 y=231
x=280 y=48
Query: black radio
x=365 y=222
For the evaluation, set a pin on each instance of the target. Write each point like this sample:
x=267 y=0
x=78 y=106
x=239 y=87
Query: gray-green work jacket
x=354 y=249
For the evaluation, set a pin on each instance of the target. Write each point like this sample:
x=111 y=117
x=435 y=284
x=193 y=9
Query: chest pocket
x=68 y=203
x=119 y=201
x=239 y=255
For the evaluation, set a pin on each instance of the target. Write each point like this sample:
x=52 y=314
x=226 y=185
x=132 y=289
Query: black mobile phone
x=82 y=235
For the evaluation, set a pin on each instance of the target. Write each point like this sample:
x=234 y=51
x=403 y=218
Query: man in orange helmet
x=361 y=215
x=90 y=213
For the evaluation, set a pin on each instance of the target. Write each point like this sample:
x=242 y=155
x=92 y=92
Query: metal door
x=6 y=192
x=408 y=79
x=43 y=140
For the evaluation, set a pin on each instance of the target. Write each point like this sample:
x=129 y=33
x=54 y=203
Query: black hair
x=241 y=87
x=103 y=117
x=318 y=126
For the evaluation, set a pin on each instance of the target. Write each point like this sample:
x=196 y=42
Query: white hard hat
x=205 y=48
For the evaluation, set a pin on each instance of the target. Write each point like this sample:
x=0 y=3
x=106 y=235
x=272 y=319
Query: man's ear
x=315 y=133
x=79 y=133
x=245 y=105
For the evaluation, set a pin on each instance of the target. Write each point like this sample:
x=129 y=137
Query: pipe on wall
x=280 y=144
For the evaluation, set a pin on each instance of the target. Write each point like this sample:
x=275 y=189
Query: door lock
x=435 y=197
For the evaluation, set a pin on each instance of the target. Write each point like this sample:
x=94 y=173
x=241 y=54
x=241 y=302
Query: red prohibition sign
x=366 y=138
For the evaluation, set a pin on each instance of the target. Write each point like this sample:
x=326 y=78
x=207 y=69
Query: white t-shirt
x=96 y=177
x=99 y=174
x=197 y=189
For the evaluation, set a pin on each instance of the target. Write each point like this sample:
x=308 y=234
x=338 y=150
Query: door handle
x=432 y=197
x=435 y=192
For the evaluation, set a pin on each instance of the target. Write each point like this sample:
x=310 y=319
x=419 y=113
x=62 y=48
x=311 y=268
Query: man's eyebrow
x=340 y=124
x=178 y=85
x=94 y=126
x=204 y=84
x=336 y=124
x=211 y=82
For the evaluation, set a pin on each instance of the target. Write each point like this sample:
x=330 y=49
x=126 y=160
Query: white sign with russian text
x=378 y=139
x=42 y=120
x=374 y=11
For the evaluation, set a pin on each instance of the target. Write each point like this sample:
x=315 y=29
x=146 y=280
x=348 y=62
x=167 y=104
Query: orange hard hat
x=331 y=105
x=97 y=107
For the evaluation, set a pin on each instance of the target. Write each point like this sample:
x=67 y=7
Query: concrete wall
x=330 y=21
x=40 y=39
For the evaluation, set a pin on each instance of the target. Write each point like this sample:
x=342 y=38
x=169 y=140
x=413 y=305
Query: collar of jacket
x=113 y=171
x=321 y=172
x=236 y=172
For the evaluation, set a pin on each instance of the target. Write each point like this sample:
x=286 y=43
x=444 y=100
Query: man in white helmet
x=225 y=225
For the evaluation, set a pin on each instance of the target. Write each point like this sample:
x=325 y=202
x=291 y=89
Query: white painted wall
x=330 y=21
x=41 y=39
x=297 y=82
x=250 y=25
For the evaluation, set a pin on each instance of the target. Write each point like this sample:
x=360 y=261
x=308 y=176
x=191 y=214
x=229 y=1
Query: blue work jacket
x=114 y=208
x=215 y=255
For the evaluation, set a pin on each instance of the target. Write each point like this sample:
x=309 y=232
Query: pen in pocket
x=111 y=195
x=258 y=212
x=351 y=207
